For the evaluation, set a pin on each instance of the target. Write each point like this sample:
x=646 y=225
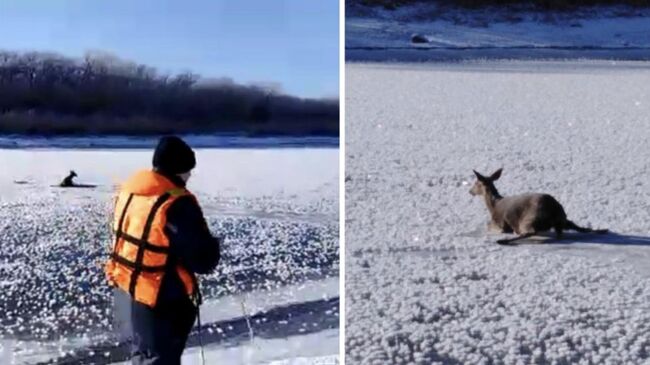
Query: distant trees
x=48 y=93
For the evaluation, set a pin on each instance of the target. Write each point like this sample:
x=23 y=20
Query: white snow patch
x=268 y=203
x=454 y=296
x=259 y=301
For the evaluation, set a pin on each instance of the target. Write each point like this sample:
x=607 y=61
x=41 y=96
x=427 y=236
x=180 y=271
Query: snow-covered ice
x=390 y=30
x=426 y=283
x=317 y=349
x=277 y=208
x=609 y=32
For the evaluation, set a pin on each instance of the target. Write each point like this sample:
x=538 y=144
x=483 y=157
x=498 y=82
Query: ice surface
x=277 y=208
x=425 y=283
x=321 y=348
x=608 y=32
x=452 y=34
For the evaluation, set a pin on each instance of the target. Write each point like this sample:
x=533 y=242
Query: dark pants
x=159 y=334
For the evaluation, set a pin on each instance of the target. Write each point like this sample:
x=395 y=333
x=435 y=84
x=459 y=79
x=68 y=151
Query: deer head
x=485 y=185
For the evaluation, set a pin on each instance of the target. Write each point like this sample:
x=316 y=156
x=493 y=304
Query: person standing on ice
x=161 y=242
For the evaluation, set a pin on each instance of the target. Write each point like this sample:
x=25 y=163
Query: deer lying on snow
x=525 y=214
x=67 y=182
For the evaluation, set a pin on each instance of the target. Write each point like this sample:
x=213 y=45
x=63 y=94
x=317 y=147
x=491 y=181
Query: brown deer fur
x=525 y=214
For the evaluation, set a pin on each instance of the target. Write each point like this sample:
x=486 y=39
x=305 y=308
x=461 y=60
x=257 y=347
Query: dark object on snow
x=173 y=156
x=67 y=182
x=21 y=182
x=76 y=186
x=160 y=333
x=418 y=38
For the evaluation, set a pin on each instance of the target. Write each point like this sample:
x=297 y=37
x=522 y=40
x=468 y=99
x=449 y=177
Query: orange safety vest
x=140 y=255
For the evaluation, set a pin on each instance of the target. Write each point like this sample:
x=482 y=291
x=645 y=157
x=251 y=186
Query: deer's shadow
x=610 y=238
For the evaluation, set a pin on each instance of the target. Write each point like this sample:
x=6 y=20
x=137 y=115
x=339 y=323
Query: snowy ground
x=379 y=34
x=426 y=284
x=272 y=352
x=277 y=208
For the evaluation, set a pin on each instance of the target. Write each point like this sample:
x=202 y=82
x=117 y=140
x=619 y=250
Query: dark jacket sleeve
x=191 y=242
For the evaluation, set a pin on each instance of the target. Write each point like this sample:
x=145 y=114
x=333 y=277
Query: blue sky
x=291 y=42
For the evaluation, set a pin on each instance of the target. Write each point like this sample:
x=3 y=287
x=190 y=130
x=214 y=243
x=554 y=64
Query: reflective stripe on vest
x=140 y=254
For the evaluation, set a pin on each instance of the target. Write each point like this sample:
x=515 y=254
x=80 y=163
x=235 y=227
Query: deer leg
x=494 y=227
x=507 y=241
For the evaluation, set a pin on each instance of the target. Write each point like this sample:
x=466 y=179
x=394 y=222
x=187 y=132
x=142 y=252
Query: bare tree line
x=48 y=93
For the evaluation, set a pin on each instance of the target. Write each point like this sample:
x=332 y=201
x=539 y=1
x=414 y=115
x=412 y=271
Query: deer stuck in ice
x=525 y=214
x=67 y=182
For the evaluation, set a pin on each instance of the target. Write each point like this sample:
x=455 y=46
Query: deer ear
x=496 y=175
x=479 y=176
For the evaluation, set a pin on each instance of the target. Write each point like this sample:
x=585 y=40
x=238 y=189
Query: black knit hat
x=173 y=156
